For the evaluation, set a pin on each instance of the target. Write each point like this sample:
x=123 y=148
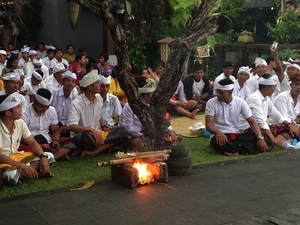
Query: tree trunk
x=152 y=118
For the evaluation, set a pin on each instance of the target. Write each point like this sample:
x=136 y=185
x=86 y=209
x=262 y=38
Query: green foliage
x=287 y=31
x=182 y=11
x=136 y=51
x=287 y=53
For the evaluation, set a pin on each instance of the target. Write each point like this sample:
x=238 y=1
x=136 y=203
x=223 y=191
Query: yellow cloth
x=103 y=134
x=115 y=88
x=69 y=58
x=1 y=85
x=23 y=157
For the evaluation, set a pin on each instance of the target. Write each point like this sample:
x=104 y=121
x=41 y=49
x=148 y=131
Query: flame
x=145 y=176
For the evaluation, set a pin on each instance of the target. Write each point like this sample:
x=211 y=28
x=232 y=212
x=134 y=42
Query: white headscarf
x=37 y=75
x=259 y=61
x=89 y=78
x=11 y=101
x=269 y=81
x=149 y=87
x=104 y=80
x=68 y=73
x=244 y=69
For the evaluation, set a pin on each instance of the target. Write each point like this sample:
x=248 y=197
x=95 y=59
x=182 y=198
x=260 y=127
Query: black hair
x=10 y=43
x=41 y=43
x=159 y=63
x=141 y=81
x=197 y=66
x=269 y=59
x=82 y=49
x=227 y=64
x=68 y=46
x=90 y=66
x=40 y=72
x=79 y=56
x=10 y=61
x=115 y=71
x=225 y=81
x=137 y=70
x=50 y=50
x=57 y=50
x=104 y=55
x=44 y=93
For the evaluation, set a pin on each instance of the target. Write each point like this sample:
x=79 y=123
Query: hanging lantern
x=73 y=9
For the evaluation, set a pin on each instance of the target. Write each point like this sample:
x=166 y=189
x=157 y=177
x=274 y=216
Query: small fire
x=145 y=176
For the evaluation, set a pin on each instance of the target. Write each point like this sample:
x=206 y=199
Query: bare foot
x=86 y=153
x=194 y=113
x=45 y=174
x=67 y=158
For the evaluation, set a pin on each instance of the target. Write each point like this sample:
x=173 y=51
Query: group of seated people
x=56 y=112
x=254 y=111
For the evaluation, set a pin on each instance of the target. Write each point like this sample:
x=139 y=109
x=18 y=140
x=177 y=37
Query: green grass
x=78 y=171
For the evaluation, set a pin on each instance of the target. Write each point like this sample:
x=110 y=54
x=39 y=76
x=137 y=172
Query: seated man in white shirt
x=11 y=85
x=56 y=83
x=62 y=99
x=288 y=104
x=36 y=80
x=58 y=59
x=262 y=106
x=41 y=118
x=49 y=57
x=25 y=62
x=292 y=69
x=38 y=65
x=111 y=105
x=15 y=164
x=240 y=88
x=24 y=88
x=85 y=117
x=227 y=73
x=261 y=68
x=221 y=120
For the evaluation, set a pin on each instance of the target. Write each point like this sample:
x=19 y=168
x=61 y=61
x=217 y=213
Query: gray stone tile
x=66 y=215
x=154 y=212
x=139 y=200
x=122 y=218
x=24 y=219
x=177 y=220
x=8 y=210
x=96 y=209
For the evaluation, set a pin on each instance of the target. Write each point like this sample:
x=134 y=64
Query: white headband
x=89 y=78
x=69 y=74
x=42 y=100
x=37 y=75
x=148 y=88
x=31 y=52
x=11 y=76
x=227 y=87
x=104 y=80
x=11 y=101
x=19 y=71
x=270 y=81
x=289 y=64
x=37 y=62
x=244 y=69
x=26 y=49
x=49 y=47
x=260 y=61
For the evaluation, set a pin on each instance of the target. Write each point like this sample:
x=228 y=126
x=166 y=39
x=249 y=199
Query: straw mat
x=181 y=125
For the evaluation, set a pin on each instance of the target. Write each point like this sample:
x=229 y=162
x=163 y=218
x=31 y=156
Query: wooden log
x=133 y=159
x=129 y=155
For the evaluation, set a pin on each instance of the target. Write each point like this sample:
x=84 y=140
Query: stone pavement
x=263 y=190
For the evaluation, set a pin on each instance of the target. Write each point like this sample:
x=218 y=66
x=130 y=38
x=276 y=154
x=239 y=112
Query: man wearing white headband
x=11 y=84
x=38 y=65
x=56 y=82
x=288 y=104
x=24 y=87
x=262 y=107
x=111 y=104
x=25 y=62
x=262 y=68
x=61 y=101
x=85 y=116
x=18 y=165
x=3 y=60
x=41 y=119
x=240 y=88
x=292 y=69
x=36 y=80
x=221 y=120
x=227 y=71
